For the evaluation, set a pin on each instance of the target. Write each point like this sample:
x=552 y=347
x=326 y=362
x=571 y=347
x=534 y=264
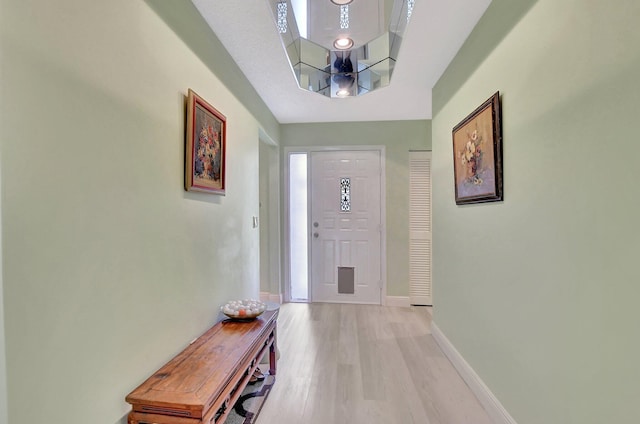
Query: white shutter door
x=420 y=228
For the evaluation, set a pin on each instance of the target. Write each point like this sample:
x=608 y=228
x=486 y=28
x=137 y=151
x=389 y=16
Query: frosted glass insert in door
x=341 y=237
x=298 y=241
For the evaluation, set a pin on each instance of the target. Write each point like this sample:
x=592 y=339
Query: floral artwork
x=207 y=147
x=477 y=155
x=205 y=152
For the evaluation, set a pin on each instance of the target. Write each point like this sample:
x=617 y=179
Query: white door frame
x=270 y=227
x=383 y=210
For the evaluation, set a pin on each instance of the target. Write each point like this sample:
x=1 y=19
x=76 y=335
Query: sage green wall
x=398 y=137
x=265 y=273
x=187 y=23
x=109 y=267
x=264 y=217
x=4 y=418
x=539 y=293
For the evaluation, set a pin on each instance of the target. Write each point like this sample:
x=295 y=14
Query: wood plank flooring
x=360 y=364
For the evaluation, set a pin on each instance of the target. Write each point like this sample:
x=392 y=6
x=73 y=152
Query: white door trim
x=383 y=209
x=274 y=293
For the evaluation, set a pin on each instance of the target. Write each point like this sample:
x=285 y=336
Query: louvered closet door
x=420 y=228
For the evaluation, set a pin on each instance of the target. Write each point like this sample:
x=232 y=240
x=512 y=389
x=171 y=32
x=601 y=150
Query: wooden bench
x=202 y=383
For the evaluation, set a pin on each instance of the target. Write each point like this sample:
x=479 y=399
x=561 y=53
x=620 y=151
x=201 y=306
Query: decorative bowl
x=243 y=310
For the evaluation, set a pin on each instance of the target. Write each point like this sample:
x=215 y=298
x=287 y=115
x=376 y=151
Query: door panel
x=346 y=238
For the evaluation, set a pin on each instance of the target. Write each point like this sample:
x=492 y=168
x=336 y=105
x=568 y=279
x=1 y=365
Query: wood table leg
x=273 y=350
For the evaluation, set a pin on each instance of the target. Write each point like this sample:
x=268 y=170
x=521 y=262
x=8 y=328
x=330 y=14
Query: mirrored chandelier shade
x=342 y=48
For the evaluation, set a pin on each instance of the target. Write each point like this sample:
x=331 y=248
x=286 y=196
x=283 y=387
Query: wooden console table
x=202 y=383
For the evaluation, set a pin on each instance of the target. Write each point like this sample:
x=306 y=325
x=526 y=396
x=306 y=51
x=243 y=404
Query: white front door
x=345 y=227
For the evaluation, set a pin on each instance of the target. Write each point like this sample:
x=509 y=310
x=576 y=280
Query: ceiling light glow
x=343 y=43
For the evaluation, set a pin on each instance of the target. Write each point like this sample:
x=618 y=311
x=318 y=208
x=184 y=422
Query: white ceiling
x=436 y=31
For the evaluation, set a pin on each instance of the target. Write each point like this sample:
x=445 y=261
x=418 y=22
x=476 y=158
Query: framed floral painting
x=477 y=154
x=205 y=147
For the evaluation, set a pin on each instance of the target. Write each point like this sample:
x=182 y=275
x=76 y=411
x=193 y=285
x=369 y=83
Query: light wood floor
x=360 y=364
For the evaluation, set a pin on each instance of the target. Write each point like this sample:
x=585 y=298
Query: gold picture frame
x=205 y=150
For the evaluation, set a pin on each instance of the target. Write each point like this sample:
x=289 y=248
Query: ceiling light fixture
x=343 y=43
x=357 y=51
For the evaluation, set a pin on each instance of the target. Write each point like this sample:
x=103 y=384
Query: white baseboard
x=491 y=404
x=397 y=301
x=268 y=297
x=276 y=298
